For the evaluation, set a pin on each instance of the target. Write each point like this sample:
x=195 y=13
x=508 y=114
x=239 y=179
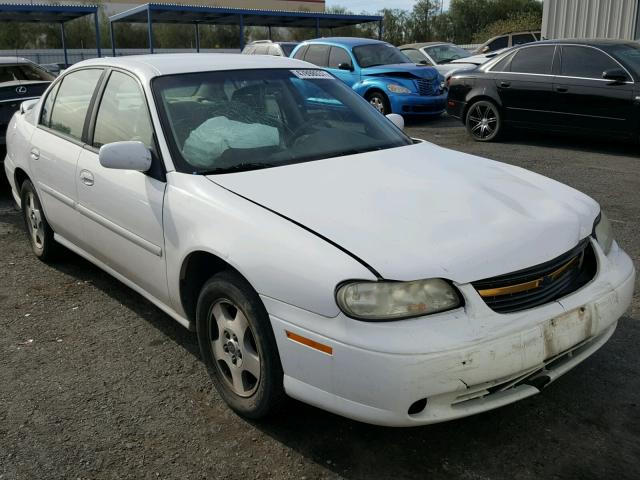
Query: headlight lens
x=396 y=300
x=603 y=233
x=395 y=88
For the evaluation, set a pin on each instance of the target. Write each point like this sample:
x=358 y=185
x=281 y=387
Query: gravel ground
x=95 y=382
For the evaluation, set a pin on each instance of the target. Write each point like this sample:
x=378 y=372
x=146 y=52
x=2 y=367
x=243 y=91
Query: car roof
x=593 y=42
x=150 y=66
x=13 y=60
x=346 y=41
x=423 y=44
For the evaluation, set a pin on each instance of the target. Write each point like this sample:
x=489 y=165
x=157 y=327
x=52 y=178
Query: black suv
x=586 y=86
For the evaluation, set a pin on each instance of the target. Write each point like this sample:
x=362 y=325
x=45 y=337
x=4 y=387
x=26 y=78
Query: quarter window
x=337 y=56
x=318 y=55
x=123 y=113
x=585 y=62
x=72 y=102
x=533 y=60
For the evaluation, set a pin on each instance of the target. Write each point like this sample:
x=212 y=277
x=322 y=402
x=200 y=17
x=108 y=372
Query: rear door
x=525 y=84
x=584 y=99
x=56 y=145
x=121 y=210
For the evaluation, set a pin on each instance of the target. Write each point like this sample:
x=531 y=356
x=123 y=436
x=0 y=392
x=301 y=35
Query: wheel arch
x=198 y=267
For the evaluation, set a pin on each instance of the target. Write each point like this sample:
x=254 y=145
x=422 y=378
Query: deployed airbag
x=212 y=138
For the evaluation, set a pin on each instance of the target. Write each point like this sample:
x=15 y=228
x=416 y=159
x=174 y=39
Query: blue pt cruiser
x=379 y=72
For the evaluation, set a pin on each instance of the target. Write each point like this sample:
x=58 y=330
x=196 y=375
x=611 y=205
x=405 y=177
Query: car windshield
x=23 y=72
x=629 y=55
x=446 y=53
x=287 y=48
x=230 y=121
x=379 y=54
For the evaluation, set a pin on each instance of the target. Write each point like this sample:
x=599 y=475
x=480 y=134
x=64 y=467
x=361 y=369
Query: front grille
x=426 y=87
x=541 y=284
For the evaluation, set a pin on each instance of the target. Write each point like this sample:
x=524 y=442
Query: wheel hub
x=232 y=348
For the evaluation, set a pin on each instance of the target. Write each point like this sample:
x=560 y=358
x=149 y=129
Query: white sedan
x=317 y=250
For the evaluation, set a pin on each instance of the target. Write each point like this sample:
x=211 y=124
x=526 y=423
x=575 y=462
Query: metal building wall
x=589 y=19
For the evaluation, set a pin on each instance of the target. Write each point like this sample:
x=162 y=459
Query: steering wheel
x=307 y=126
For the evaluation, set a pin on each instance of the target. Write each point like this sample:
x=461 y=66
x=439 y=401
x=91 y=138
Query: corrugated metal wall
x=589 y=19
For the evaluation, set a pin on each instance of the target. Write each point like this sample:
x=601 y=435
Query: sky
x=357 y=6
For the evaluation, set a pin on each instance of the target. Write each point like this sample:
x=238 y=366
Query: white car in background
x=315 y=248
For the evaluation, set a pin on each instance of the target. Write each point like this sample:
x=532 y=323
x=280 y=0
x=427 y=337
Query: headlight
x=396 y=300
x=603 y=232
x=395 y=88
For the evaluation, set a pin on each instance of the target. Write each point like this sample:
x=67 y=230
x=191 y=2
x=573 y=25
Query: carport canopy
x=203 y=15
x=41 y=13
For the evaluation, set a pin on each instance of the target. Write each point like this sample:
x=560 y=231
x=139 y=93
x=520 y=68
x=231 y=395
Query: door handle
x=34 y=154
x=86 y=177
x=505 y=84
x=562 y=89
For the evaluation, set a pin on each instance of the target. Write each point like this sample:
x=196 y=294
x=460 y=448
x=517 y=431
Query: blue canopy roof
x=12 y=12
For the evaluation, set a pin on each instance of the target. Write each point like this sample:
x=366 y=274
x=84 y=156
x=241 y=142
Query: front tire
x=38 y=229
x=484 y=121
x=238 y=346
x=379 y=101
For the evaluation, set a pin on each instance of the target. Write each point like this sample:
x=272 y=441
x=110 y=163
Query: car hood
x=423 y=211
x=406 y=70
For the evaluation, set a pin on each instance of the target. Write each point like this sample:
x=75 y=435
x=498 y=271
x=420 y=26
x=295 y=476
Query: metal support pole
x=113 y=39
x=150 y=29
x=317 y=27
x=380 y=29
x=241 y=32
x=197 y=37
x=64 y=45
x=270 y=32
x=97 y=25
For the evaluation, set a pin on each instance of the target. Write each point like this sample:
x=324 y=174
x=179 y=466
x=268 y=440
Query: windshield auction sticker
x=312 y=74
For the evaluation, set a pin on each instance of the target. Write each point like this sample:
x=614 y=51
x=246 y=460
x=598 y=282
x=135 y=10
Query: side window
x=72 y=102
x=301 y=52
x=585 y=62
x=503 y=65
x=45 y=115
x=415 y=56
x=337 y=56
x=123 y=113
x=533 y=60
x=521 y=38
x=498 y=43
x=318 y=55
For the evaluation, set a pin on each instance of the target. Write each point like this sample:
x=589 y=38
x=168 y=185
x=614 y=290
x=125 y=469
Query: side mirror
x=125 y=156
x=397 y=120
x=346 y=66
x=615 y=75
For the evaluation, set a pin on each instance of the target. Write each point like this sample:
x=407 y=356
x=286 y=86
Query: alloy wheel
x=34 y=221
x=483 y=121
x=377 y=103
x=234 y=348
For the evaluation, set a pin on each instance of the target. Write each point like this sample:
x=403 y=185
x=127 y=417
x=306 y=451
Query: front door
x=585 y=100
x=121 y=210
x=338 y=56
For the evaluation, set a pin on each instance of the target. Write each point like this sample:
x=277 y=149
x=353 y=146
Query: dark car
x=20 y=80
x=509 y=39
x=576 y=86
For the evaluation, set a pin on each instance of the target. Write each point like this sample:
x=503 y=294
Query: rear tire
x=484 y=121
x=238 y=346
x=38 y=230
x=379 y=101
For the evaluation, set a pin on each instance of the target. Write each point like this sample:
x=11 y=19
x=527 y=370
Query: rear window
x=318 y=55
x=533 y=60
x=23 y=72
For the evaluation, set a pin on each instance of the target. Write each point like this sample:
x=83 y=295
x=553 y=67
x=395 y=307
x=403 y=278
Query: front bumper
x=462 y=362
x=456 y=109
x=418 y=104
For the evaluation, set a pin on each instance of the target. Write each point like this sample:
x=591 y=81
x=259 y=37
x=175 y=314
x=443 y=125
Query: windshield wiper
x=240 y=167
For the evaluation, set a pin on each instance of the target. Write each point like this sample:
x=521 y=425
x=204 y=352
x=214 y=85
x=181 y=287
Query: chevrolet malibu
x=317 y=250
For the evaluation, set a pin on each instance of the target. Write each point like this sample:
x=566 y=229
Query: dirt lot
x=95 y=382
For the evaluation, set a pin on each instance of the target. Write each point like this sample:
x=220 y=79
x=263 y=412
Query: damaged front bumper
x=450 y=365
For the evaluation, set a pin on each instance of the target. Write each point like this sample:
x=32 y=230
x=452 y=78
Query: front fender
x=380 y=83
x=280 y=259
